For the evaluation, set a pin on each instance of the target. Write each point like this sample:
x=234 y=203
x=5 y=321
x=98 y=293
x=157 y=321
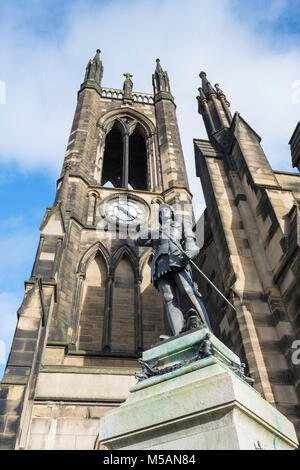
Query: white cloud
x=42 y=75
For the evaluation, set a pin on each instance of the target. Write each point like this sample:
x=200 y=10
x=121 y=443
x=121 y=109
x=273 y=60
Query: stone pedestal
x=197 y=403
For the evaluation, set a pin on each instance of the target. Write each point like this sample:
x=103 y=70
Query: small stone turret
x=94 y=69
x=94 y=73
x=161 y=83
x=295 y=147
x=160 y=79
x=214 y=107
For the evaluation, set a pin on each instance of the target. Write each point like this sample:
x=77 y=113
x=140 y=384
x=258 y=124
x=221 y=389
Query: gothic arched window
x=93 y=304
x=113 y=158
x=125 y=157
x=137 y=177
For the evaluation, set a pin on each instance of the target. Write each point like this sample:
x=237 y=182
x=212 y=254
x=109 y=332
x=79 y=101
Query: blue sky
x=252 y=48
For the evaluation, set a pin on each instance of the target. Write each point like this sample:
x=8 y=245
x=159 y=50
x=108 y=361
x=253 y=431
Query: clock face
x=125 y=212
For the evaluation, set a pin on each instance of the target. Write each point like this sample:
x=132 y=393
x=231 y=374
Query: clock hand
x=126 y=212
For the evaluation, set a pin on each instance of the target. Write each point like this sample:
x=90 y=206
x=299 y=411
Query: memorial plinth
x=196 y=399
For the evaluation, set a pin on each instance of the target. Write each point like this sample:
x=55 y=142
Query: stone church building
x=251 y=249
x=90 y=309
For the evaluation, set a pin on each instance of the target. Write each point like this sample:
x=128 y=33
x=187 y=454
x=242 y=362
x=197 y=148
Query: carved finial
x=221 y=94
x=94 y=69
x=219 y=91
x=158 y=66
x=201 y=94
x=160 y=79
x=214 y=107
x=206 y=86
x=201 y=99
x=127 y=75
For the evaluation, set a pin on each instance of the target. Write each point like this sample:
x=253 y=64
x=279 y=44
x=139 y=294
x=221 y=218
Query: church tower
x=89 y=308
x=251 y=249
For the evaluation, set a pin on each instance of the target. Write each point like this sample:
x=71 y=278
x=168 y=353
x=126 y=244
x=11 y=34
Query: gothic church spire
x=94 y=69
x=214 y=107
x=160 y=80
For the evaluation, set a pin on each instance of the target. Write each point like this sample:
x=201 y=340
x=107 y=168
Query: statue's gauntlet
x=191 y=249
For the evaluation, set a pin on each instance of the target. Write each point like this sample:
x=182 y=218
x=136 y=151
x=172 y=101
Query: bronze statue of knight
x=174 y=244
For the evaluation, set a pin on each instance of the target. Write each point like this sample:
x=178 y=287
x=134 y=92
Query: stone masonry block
x=7 y=442
x=12 y=424
x=40 y=425
x=78 y=427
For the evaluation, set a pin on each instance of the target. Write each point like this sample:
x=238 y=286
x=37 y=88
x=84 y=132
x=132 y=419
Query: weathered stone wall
x=250 y=226
x=172 y=161
x=223 y=319
x=21 y=373
x=76 y=360
x=65 y=426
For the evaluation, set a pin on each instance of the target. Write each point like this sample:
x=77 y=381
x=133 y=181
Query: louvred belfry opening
x=138 y=160
x=113 y=158
x=125 y=158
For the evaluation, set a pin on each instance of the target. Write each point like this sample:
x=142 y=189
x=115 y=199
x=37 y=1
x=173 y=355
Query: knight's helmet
x=162 y=208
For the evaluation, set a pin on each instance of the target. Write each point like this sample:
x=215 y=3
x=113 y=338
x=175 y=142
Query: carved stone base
x=194 y=398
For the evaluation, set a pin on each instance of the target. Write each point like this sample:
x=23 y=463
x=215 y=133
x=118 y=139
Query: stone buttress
x=251 y=249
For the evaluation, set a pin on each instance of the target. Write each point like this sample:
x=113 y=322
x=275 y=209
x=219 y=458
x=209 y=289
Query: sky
x=251 y=48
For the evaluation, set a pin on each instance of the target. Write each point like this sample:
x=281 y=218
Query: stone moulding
x=205 y=349
x=197 y=365
x=187 y=348
x=203 y=405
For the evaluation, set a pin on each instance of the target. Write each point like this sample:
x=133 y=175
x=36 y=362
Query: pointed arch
x=113 y=154
x=144 y=259
x=53 y=222
x=90 y=253
x=108 y=118
x=92 y=300
x=125 y=249
x=138 y=160
x=123 y=316
x=93 y=269
x=129 y=149
x=118 y=123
